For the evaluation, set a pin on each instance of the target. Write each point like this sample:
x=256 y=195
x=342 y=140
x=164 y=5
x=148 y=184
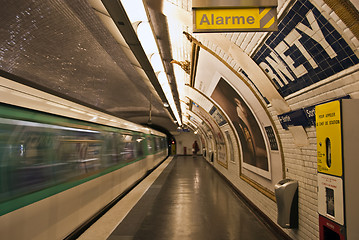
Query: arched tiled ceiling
x=238 y=49
x=74 y=50
x=71 y=48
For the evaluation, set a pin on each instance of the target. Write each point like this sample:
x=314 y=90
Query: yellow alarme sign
x=250 y=19
x=329 y=138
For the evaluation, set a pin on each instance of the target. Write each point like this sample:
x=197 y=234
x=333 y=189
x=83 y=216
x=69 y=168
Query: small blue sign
x=302 y=117
x=293 y=118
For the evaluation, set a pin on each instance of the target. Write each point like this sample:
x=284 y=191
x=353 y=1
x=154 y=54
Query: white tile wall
x=300 y=163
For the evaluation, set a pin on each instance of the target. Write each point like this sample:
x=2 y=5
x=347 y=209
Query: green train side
x=43 y=154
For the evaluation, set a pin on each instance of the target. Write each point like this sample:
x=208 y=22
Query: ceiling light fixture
x=136 y=12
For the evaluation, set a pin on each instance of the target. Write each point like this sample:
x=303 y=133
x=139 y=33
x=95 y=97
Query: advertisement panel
x=252 y=141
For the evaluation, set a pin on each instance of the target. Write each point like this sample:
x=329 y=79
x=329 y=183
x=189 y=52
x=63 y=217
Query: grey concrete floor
x=190 y=200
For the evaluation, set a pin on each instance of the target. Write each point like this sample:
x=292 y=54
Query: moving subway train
x=61 y=163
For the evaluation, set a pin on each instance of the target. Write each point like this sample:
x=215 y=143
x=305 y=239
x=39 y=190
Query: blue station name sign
x=306 y=49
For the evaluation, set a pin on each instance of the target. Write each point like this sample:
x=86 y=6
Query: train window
x=109 y=153
x=140 y=146
x=156 y=144
x=32 y=165
x=79 y=151
x=127 y=152
x=150 y=144
x=120 y=146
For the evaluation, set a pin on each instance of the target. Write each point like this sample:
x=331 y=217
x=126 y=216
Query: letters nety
x=286 y=68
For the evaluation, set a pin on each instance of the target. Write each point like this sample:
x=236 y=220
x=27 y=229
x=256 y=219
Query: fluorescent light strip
x=136 y=12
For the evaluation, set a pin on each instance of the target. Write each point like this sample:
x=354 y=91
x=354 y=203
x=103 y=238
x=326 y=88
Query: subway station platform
x=185 y=198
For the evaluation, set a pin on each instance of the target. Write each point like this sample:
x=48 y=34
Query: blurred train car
x=61 y=163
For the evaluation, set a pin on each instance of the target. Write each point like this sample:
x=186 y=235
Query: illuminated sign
x=234 y=16
x=238 y=19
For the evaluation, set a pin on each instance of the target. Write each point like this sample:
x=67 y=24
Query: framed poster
x=252 y=143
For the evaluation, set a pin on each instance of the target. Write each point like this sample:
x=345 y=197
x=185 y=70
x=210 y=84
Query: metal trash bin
x=286 y=193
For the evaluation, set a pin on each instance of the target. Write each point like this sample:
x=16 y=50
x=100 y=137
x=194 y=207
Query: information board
x=330 y=197
x=329 y=138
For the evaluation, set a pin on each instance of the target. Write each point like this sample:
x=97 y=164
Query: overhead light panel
x=136 y=12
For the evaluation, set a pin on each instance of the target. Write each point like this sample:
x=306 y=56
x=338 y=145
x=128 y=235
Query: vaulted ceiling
x=89 y=52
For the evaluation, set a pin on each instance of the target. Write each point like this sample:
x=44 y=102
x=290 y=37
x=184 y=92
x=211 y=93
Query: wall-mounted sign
x=330 y=197
x=235 y=20
x=302 y=117
x=329 y=138
x=293 y=118
x=234 y=16
x=306 y=49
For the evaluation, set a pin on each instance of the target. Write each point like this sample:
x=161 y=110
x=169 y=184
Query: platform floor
x=189 y=200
